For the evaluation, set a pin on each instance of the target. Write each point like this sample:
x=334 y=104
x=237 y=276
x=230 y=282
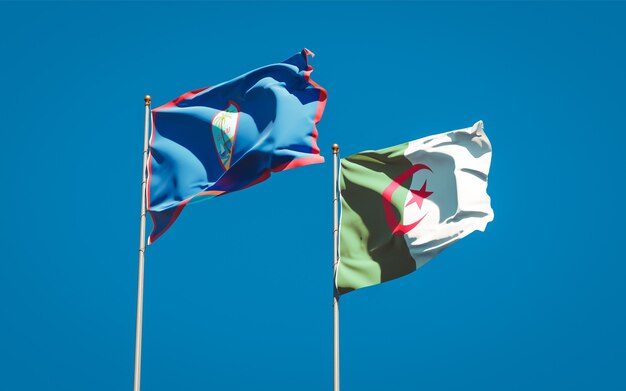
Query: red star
x=419 y=196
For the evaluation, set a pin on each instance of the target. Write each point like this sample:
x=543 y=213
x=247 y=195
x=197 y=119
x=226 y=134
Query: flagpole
x=335 y=260
x=142 y=248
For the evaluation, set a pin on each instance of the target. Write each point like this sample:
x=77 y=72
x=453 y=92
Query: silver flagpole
x=335 y=254
x=142 y=248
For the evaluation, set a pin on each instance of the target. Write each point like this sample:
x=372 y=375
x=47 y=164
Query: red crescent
x=396 y=227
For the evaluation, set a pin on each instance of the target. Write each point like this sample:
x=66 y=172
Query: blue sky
x=238 y=292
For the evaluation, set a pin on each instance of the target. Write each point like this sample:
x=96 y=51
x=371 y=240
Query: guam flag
x=220 y=139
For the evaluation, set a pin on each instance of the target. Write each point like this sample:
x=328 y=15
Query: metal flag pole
x=335 y=254
x=142 y=248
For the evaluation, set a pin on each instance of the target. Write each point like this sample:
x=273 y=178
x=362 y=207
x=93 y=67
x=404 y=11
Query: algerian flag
x=401 y=206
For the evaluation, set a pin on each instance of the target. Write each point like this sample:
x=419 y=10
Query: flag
x=403 y=205
x=216 y=140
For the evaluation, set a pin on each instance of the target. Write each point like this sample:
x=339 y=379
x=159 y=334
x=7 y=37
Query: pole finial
x=147 y=99
x=335 y=148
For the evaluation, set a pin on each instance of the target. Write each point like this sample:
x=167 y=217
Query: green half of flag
x=401 y=206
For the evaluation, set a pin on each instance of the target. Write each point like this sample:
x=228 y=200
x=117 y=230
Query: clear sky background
x=238 y=292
